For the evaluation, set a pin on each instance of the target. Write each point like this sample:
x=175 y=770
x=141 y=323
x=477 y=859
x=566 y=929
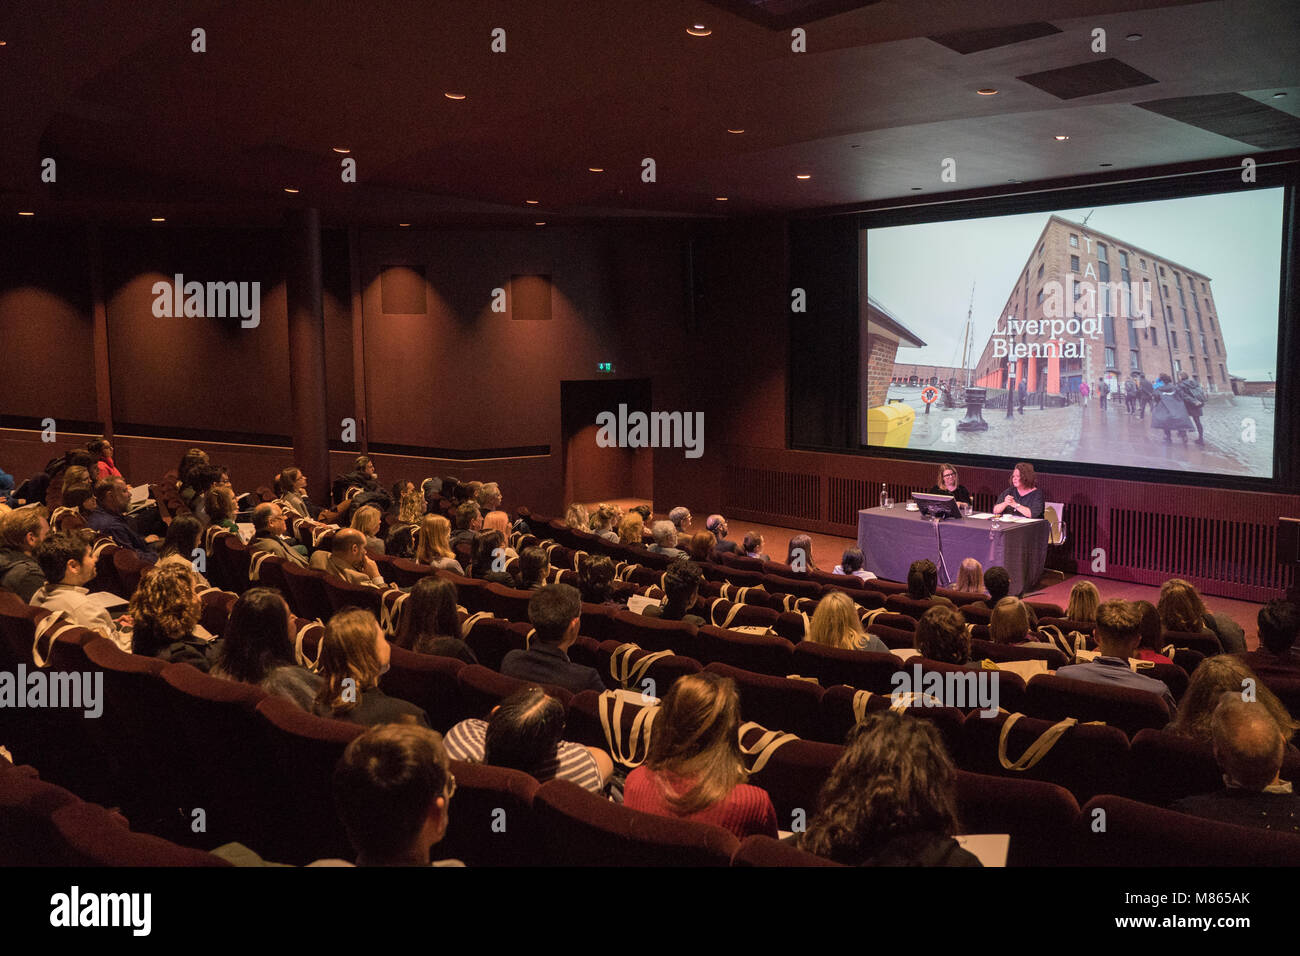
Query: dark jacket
x=20 y=573
x=547 y=664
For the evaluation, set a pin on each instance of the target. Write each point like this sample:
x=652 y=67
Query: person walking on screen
x=1023 y=497
x=1083 y=394
x=1130 y=395
x=1193 y=398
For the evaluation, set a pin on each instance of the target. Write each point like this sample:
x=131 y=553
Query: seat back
x=482 y=689
x=777 y=703
x=428 y=682
x=491 y=820
x=864 y=670
x=759 y=850
x=307 y=595
x=1038 y=816
x=1052 y=511
x=1053 y=698
x=88 y=835
x=764 y=654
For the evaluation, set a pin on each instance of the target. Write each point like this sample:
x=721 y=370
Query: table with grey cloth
x=891 y=539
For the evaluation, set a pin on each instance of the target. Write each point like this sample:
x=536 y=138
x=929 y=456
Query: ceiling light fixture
x=698 y=30
x=454 y=96
x=987 y=91
x=403 y=224
x=157 y=219
x=595 y=169
x=720 y=198
x=27 y=214
x=542 y=223
x=803 y=176
x=1061 y=139
x=532 y=202
x=341 y=149
x=291 y=189
x=1133 y=37
x=735 y=131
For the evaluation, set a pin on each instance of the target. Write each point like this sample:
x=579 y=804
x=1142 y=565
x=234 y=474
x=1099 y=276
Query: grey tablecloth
x=892 y=539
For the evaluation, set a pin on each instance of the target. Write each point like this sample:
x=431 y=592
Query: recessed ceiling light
x=698 y=30
x=737 y=132
x=532 y=202
x=403 y=224
x=341 y=149
x=595 y=169
x=27 y=214
x=157 y=219
x=720 y=198
x=1133 y=36
x=987 y=91
x=1061 y=139
x=291 y=189
x=1278 y=96
x=454 y=96
x=803 y=176
x=542 y=223
x=4 y=42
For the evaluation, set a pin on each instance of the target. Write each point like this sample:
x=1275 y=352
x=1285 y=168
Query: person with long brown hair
x=890 y=800
x=1009 y=622
x=431 y=623
x=1214 y=677
x=1022 y=497
x=433 y=545
x=1084 y=600
x=354 y=654
x=1182 y=610
x=693 y=770
x=970 y=577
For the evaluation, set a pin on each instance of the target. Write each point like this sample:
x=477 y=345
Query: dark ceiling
x=141 y=125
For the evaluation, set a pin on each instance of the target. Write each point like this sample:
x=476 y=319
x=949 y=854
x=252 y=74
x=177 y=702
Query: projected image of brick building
x=1090 y=307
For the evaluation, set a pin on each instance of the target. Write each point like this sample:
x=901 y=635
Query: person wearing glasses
x=949 y=484
x=1023 y=496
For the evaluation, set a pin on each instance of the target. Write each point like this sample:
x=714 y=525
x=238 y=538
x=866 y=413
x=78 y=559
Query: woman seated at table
x=949 y=485
x=1023 y=497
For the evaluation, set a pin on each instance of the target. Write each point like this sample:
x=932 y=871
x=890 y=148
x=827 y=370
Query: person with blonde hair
x=411 y=506
x=835 y=623
x=693 y=770
x=1214 y=677
x=165 y=612
x=1009 y=622
x=1181 y=609
x=631 y=529
x=497 y=521
x=367 y=520
x=354 y=654
x=602 y=522
x=433 y=545
x=577 y=518
x=1084 y=599
x=970 y=577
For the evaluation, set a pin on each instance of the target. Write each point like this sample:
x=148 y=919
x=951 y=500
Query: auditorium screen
x=1142 y=334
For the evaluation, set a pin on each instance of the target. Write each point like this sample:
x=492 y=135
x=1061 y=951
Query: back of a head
x=970 y=576
x=894 y=778
x=54 y=553
x=596 y=578
x=552 y=609
x=256 y=636
x=1279 y=622
x=922 y=579
x=630 y=528
x=997 y=582
x=367 y=519
x=384 y=785
x=576 y=517
x=534 y=566
x=681 y=583
x=799 y=554
x=430 y=612
x=678 y=516
x=1180 y=607
x=851 y=560
x=524 y=732
x=262 y=516
x=714 y=524
x=697 y=734
x=19 y=523
x=941 y=635
x=1084 y=600
x=497 y=521
x=465 y=515
x=701 y=545
x=411 y=505
x=345 y=539
x=835 y=623
x=1247 y=742
x=1118 y=622
x=163 y=608
x=665 y=534
x=1211 y=682
x=1009 y=622
x=483 y=552
x=1148 y=625
x=752 y=542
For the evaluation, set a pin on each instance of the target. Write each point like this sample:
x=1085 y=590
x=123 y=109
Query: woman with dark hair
x=101 y=449
x=1182 y=610
x=353 y=655
x=431 y=623
x=700 y=547
x=291 y=486
x=596 y=581
x=922 y=580
x=257 y=648
x=165 y=613
x=180 y=544
x=693 y=770
x=890 y=800
x=485 y=560
x=219 y=503
x=682 y=588
x=1149 y=648
x=800 y=551
x=1022 y=497
x=851 y=563
x=191 y=460
x=1009 y=622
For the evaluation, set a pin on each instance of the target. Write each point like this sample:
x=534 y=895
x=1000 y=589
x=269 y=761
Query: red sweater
x=746 y=810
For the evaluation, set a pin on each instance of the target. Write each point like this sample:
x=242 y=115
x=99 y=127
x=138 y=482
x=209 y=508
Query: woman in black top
x=430 y=622
x=353 y=655
x=1022 y=498
x=949 y=484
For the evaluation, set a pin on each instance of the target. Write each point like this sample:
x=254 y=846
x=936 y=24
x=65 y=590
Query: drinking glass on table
x=889 y=502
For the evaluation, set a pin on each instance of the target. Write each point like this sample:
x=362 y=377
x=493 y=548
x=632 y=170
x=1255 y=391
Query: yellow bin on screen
x=890 y=425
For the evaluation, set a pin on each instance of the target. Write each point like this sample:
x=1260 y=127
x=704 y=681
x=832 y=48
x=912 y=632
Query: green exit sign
x=606 y=367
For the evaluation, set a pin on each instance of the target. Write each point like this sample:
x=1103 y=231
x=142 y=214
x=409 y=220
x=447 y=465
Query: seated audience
x=468 y=521
x=836 y=623
x=665 y=535
x=1182 y=610
x=348 y=560
x=367 y=519
x=941 y=635
x=489 y=557
x=401 y=535
x=20 y=533
x=1009 y=622
x=180 y=545
x=596 y=581
x=851 y=563
x=219 y=503
x=577 y=518
x=1215 y=677
x=165 y=612
x=631 y=529
x=554 y=612
x=497 y=521
x=101 y=449
x=1084 y=599
x=203 y=478
x=949 y=484
x=525 y=732
x=1117 y=633
x=1279 y=623
x=717 y=526
x=603 y=520
x=112 y=497
x=693 y=770
x=68 y=563
x=74 y=513
x=799 y=555
x=1149 y=648
x=191 y=460
x=534 y=569
x=700 y=547
x=970 y=577
x=361 y=476
x=257 y=648
x=431 y=623
x=488 y=497
x=268 y=534
x=1249 y=749
x=891 y=799
x=681 y=519
x=923 y=581
x=753 y=546
x=353 y=655
x=291 y=486
x=682 y=587
x=392 y=790
x=997 y=582
x=433 y=545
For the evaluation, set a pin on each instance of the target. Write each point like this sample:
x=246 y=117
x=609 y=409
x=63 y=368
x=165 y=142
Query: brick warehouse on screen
x=1139 y=312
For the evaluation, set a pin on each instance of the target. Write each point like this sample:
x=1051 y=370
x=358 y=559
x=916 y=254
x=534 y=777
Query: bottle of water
x=883 y=494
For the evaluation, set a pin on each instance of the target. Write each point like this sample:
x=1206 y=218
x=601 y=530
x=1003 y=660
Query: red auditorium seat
x=763 y=851
x=838 y=717
x=793 y=778
x=342 y=594
x=482 y=689
x=1038 y=816
x=491 y=639
x=864 y=670
x=492 y=821
x=777 y=703
x=230 y=560
x=653 y=634
x=501 y=601
x=428 y=682
x=663 y=672
x=989 y=650
x=1130 y=710
x=754 y=652
x=128 y=568
x=307 y=595
x=88 y=835
x=26 y=806
x=407 y=573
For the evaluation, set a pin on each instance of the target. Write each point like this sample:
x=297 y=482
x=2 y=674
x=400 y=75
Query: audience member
x=348 y=560
x=1118 y=633
x=431 y=622
x=1279 y=623
x=191 y=460
x=1084 y=599
x=1249 y=749
x=923 y=581
x=851 y=564
x=362 y=476
x=400 y=542
x=717 y=525
x=753 y=546
x=488 y=497
x=631 y=529
x=20 y=533
x=112 y=497
x=433 y=545
x=489 y=558
x=891 y=799
x=577 y=518
x=602 y=522
x=799 y=555
x=836 y=623
x=291 y=486
x=497 y=521
x=468 y=520
x=353 y=655
x=682 y=587
x=1009 y=622
x=74 y=513
x=665 y=535
x=219 y=502
x=970 y=577
x=997 y=582
x=165 y=611
x=367 y=520
x=681 y=519
x=68 y=563
x=554 y=612
x=700 y=547
x=596 y=581
x=941 y=635
x=268 y=534
x=693 y=769
x=392 y=789
x=534 y=569
x=257 y=648
x=1212 y=679
x=181 y=544
x=525 y=732
x=1182 y=610
x=1149 y=647
x=101 y=449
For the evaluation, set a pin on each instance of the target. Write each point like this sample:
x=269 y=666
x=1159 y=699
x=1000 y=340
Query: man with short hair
x=681 y=519
x=997 y=581
x=392 y=789
x=21 y=532
x=1118 y=633
x=68 y=563
x=1249 y=746
x=468 y=521
x=348 y=560
x=665 y=535
x=555 y=612
x=718 y=525
x=941 y=636
x=113 y=496
x=1279 y=624
x=268 y=534
x=361 y=476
